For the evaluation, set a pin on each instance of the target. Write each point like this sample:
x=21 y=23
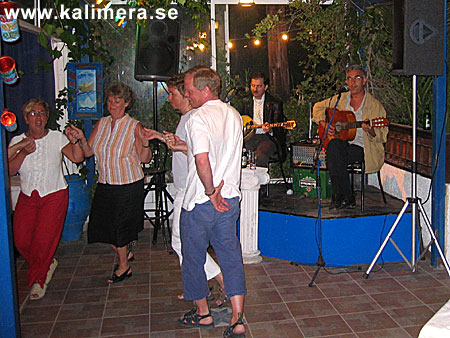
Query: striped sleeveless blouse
x=115 y=153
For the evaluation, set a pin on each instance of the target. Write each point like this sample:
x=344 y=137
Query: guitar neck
x=351 y=125
x=270 y=125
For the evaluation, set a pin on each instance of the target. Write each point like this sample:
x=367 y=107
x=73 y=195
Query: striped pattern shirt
x=115 y=153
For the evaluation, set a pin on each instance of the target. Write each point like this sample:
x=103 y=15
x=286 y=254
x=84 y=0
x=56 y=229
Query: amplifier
x=303 y=155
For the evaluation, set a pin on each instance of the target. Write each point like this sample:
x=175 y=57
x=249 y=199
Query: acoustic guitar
x=249 y=127
x=346 y=125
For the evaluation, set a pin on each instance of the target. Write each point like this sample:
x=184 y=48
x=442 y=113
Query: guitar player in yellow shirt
x=368 y=143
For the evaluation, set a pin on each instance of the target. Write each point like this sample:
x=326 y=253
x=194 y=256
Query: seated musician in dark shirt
x=366 y=146
x=264 y=108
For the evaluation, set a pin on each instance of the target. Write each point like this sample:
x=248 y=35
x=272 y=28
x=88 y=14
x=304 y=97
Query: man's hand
x=368 y=128
x=331 y=130
x=266 y=128
x=219 y=203
x=174 y=142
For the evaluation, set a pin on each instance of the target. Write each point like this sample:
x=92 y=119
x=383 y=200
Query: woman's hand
x=18 y=152
x=28 y=146
x=73 y=133
x=147 y=134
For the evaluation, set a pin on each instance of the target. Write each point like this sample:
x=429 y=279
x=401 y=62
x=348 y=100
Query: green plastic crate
x=304 y=183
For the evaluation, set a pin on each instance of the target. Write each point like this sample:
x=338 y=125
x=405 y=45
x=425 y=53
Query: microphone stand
x=316 y=164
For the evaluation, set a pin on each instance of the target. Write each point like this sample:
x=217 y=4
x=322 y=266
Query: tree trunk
x=278 y=57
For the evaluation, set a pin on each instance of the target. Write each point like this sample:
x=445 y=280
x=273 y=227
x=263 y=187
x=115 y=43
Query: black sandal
x=130 y=259
x=116 y=279
x=192 y=319
x=228 y=333
x=222 y=298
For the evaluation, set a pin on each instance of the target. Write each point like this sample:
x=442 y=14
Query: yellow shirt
x=373 y=145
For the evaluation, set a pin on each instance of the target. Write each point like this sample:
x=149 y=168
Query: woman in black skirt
x=119 y=144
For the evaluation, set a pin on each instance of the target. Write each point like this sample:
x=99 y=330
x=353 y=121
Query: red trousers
x=38 y=224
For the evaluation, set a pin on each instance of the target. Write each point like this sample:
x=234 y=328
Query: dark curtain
x=26 y=52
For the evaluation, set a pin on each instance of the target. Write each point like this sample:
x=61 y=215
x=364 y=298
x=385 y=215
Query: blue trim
x=439 y=151
x=9 y=313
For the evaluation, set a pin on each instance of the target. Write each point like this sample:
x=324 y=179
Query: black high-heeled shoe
x=116 y=279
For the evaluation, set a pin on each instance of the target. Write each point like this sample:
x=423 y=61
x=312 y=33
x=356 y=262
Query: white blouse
x=42 y=169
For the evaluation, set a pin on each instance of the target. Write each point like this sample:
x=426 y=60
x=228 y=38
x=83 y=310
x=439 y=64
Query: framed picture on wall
x=85 y=84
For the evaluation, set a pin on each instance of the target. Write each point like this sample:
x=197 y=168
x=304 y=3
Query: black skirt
x=117 y=213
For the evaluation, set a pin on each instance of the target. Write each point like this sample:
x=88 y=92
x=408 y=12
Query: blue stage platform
x=345 y=241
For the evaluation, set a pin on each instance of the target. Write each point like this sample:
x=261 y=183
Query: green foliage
x=195 y=9
x=338 y=35
x=82 y=37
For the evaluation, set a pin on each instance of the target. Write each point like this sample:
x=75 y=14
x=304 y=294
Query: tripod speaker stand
x=415 y=203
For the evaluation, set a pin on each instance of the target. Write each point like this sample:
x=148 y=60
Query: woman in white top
x=42 y=204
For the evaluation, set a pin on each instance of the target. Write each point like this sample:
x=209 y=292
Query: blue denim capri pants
x=199 y=227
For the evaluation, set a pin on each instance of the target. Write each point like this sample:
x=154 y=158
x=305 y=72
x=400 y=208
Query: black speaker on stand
x=418 y=37
x=418 y=50
x=157 y=54
x=157 y=59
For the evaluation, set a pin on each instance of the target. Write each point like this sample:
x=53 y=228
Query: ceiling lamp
x=246 y=3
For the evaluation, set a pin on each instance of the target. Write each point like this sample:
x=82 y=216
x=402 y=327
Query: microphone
x=234 y=91
x=241 y=89
x=342 y=90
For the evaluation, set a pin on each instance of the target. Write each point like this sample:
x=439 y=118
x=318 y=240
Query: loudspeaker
x=418 y=37
x=157 y=50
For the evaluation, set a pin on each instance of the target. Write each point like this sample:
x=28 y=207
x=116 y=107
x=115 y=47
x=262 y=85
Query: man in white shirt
x=176 y=143
x=211 y=202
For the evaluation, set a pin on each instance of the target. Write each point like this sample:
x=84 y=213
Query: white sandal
x=37 y=292
x=51 y=270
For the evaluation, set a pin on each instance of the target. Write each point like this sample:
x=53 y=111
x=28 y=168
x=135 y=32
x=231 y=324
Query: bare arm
x=73 y=150
x=142 y=138
x=16 y=161
x=14 y=149
x=205 y=174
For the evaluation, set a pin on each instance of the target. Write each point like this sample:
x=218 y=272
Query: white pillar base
x=251 y=181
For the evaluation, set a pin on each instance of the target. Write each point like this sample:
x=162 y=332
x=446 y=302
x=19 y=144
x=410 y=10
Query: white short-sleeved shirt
x=179 y=159
x=214 y=128
x=42 y=169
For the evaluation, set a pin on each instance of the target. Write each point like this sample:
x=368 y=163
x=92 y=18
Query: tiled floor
x=393 y=302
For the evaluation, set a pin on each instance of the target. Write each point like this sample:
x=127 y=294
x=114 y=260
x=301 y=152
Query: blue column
x=9 y=312
x=439 y=138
